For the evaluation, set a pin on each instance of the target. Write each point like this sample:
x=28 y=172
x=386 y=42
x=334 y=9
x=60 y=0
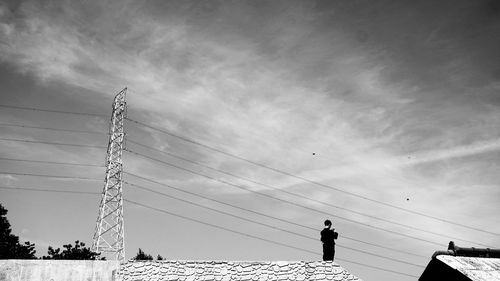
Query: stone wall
x=67 y=270
x=57 y=270
x=233 y=271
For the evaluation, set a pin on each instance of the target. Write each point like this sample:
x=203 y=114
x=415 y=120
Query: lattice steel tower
x=109 y=234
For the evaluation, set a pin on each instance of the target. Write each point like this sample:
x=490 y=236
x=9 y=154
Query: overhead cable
x=186 y=139
x=263 y=224
x=51 y=162
x=282 y=200
x=52 y=110
x=205 y=223
x=48 y=190
x=53 y=129
x=265 y=215
x=52 y=143
x=259 y=238
x=248 y=161
x=48 y=176
x=295 y=194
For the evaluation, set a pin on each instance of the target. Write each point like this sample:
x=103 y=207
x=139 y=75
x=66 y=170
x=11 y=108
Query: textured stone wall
x=67 y=270
x=57 y=270
x=232 y=271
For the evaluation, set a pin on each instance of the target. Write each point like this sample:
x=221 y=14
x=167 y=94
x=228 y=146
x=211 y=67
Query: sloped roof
x=233 y=271
x=475 y=268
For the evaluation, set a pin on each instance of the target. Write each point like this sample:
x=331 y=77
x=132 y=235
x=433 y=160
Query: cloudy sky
x=394 y=101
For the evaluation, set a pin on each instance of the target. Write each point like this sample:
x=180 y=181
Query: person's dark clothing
x=328 y=239
x=328 y=252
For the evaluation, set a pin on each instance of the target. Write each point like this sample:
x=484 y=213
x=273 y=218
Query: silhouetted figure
x=328 y=237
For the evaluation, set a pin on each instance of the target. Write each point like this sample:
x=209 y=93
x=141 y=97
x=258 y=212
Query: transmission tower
x=109 y=235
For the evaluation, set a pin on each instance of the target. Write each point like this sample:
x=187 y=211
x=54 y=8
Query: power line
x=283 y=200
x=48 y=176
x=139 y=144
x=189 y=202
x=266 y=215
x=53 y=129
x=47 y=190
x=53 y=143
x=306 y=179
x=262 y=184
x=187 y=218
x=227 y=154
x=92 y=165
x=220 y=227
x=54 y=176
x=51 y=162
x=294 y=194
x=52 y=110
x=230 y=155
x=263 y=224
x=259 y=238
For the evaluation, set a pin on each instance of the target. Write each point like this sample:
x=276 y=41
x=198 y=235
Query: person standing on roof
x=328 y=237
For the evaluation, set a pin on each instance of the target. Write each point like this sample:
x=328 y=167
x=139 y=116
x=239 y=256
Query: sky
x=396 y=102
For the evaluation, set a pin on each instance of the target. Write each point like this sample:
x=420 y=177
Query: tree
x=78 y=252
x=10 y=248
x=159 y=258
x=143 y=256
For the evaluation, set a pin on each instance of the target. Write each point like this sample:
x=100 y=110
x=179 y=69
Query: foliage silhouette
x=143 y=256
x=78 y=252
x=10 y=248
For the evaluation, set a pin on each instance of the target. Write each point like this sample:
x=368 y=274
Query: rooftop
x=474 y=268
x=463 y=264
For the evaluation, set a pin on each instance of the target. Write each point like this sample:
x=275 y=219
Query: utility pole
x=109 y=235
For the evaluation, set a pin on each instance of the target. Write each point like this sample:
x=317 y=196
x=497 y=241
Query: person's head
x=328 y=223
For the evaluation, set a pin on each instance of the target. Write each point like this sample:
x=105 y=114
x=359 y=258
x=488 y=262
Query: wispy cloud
x=475 y=148
x=333 y=92
x=7 y=179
